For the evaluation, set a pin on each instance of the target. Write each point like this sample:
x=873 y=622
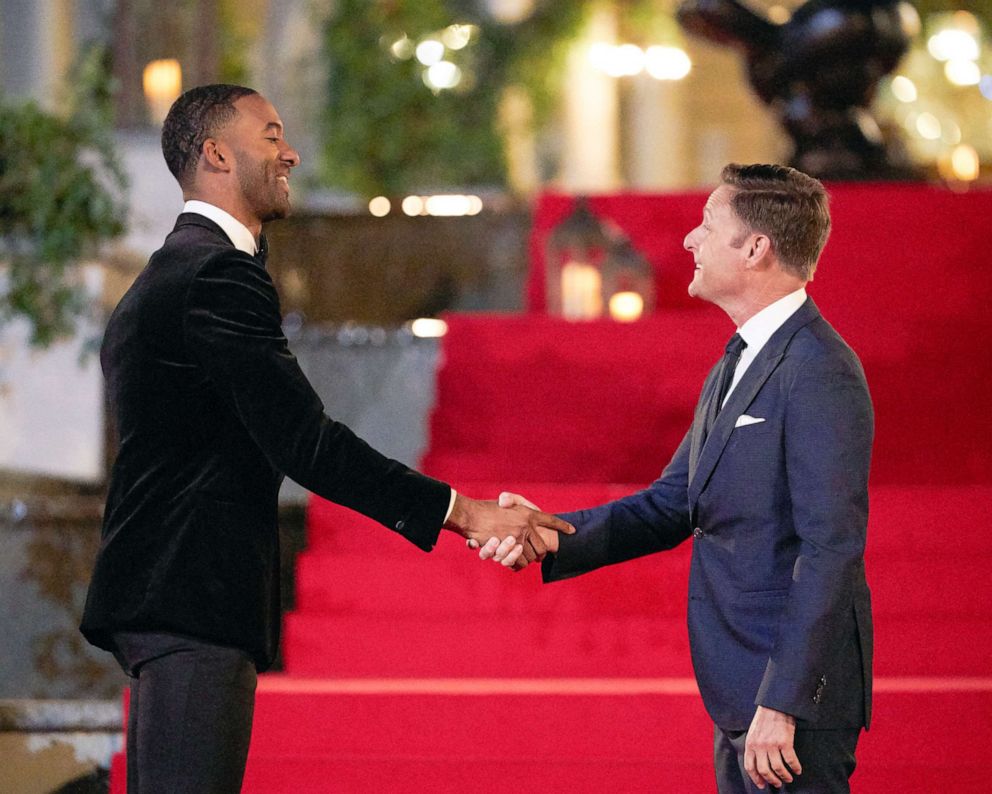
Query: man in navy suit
x=771 y=482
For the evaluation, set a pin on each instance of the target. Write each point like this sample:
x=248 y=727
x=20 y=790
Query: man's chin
x=283 y=210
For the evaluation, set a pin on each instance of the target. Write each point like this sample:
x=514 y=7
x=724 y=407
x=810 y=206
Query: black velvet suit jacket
x=212 y=410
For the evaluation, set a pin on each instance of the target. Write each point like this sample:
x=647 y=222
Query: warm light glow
x=455 y=37
x=412 y=205
x=380 y=206
x=667 y=63
x=510 y=12
x=430 y=51
x=581 y=291
x=428 y=328
x=953 y=43
x=450 y=205
x=629 y=60
x=625 y=307
x=910 y=19
x=904 y=89
x=403 y=48
x=779 y=14
x=442 y=75
x=928 y=126
x=961 y=72
x=965 y=163
x=162 y=82
x=474 y=205
x=624 y=60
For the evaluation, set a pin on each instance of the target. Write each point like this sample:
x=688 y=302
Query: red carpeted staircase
x=412 y=672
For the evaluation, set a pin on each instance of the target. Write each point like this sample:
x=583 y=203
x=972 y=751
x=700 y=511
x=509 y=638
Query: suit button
x=697 y=532
x=400 y=524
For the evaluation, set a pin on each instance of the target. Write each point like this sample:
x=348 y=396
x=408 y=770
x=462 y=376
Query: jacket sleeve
x=829 y=426
x=651 y=520
x=232 y=326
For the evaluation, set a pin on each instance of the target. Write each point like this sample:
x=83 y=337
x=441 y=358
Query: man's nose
x=291 y=156
x=687 y=243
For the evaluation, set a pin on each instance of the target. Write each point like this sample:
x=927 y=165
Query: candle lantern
x=574 y=257
x=628 y=282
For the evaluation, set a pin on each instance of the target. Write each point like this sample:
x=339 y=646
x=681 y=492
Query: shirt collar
x=759 y=329
x=236 y=231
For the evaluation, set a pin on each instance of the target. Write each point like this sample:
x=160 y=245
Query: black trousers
x=189 y=723
x=827 y=758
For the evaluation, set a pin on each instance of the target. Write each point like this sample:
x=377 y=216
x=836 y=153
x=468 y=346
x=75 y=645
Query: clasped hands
x=513 y=531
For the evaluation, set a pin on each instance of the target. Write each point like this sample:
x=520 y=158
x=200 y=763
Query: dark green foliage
x=59 y=198
x=387 y=132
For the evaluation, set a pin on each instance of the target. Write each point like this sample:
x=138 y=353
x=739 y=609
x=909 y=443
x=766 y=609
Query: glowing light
x=510 y=12
x=452 y=205
x=965 y=163
x=629 y=59
x=910 y=19
x=581 y=291
x=904 y=89
x=442 y=75
x=626 y=307
x=928 y=126
x=380 y=206
x=779 y=14
x=624 y=60
x=403 y=48
x=667 y=63
x=953 y=43
x=430 y=51
x=162 y=82
x=961 y=72
x=455 y=37
x=428 y=328
x=412 y=205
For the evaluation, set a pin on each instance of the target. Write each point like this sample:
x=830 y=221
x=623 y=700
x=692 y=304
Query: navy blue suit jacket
x=779 y=609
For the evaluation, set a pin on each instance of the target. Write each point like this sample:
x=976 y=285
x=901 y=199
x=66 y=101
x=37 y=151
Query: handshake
x=511 y=531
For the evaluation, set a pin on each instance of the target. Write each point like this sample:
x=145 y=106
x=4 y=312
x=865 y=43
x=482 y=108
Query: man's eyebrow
x=273 y=125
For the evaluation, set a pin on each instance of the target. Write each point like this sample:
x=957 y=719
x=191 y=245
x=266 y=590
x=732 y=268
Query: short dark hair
x=788 y=206
x=194 y=117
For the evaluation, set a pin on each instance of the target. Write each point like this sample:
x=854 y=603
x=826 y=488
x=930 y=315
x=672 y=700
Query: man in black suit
x=771 y=482
x=212 y=410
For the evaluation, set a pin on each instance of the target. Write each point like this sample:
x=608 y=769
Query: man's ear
x=217 y=157
x=757 y=249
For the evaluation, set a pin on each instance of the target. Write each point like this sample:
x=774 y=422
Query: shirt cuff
x=451 y=505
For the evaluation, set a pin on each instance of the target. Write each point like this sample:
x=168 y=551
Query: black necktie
x=725 y=376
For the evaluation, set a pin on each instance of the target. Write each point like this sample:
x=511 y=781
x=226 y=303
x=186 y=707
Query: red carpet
x=408 y=672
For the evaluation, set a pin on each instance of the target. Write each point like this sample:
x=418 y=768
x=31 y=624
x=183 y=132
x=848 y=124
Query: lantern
x=628 y=282
x=574 y=257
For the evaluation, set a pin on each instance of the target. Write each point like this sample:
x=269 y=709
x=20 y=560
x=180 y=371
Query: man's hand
x=521 y=525
x=508 y=552
x=768 y=751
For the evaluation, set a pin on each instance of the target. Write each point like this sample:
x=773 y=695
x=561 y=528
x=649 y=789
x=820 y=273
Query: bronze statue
x=819 y=72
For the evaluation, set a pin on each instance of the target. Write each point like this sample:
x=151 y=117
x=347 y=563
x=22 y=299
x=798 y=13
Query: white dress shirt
x=759 y=329
x=236 y=231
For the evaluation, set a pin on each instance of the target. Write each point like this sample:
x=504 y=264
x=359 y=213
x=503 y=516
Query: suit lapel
x=704 y=454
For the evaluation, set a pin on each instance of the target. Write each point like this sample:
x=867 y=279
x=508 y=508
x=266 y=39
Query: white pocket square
x=744 y=420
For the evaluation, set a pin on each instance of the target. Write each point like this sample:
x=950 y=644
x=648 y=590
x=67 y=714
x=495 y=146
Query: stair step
x=442 y=645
